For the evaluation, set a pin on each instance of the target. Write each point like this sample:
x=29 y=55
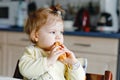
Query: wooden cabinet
x=16 y=43
x=101 y=53
x=12 y=45
x=3 y=48
x=15 y=52
x=1 y=59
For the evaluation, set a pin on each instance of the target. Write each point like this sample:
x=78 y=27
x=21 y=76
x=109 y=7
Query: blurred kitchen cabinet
x=1 y=54
x=15 y=47
x=15 y=52
x=101 y=53
x=3 y=47
x=12 y=45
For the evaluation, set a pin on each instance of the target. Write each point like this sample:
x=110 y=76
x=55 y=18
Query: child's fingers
x=57 y=51
x=57 y=48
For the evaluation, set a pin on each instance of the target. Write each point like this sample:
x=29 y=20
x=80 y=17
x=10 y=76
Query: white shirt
x=33 y=65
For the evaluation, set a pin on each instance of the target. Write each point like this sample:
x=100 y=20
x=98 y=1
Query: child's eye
x=61 y=32
x=52 y=32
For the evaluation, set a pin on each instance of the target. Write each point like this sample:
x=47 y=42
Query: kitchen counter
x=94 y=34
x=76 y=33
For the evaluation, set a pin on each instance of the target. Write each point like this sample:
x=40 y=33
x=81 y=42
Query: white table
x=8 y=78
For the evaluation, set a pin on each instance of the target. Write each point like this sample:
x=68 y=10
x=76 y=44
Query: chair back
x=17 y=72
x=83 y=62
x=106 y=76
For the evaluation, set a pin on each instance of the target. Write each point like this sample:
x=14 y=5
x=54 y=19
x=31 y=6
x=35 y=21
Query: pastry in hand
x=63 y=56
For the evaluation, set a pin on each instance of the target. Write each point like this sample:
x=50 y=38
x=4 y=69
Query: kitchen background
x=91 y=31
x=81 y=15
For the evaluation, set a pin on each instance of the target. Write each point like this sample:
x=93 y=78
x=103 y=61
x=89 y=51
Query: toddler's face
x=48 y=34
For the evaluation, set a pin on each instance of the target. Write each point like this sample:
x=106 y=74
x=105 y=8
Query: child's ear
x=36 y=36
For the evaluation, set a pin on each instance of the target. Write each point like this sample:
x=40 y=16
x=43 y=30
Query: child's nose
x=57 y=37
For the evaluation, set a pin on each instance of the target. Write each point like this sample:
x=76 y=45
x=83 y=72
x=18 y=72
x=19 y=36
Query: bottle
x=21 y=13
x=85 y=21
x=31 y=7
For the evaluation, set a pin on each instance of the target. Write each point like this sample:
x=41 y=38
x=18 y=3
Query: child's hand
x=70 y=59
x=55 y=52
x=63 y=56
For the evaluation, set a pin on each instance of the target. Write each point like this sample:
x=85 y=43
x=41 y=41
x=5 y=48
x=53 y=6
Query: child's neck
x=45 y=49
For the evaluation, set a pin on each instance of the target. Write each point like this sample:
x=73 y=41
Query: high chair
x=17 y=72
x=106 y=76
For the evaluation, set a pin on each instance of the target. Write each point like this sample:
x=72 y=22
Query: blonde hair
x=41 y=17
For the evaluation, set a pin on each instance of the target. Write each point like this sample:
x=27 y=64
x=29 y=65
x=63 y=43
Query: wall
x=41 y=3
x=64 y=2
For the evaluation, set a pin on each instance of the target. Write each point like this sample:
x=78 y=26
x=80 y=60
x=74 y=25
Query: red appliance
x=82 y=21
x=86 y=21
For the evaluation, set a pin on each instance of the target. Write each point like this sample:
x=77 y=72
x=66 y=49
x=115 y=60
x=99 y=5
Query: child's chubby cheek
x=48 y=47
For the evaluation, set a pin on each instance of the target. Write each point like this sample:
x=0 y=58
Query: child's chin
x=47 y=49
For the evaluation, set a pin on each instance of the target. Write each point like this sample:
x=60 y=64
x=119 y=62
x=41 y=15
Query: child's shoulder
x=30 y=47
x=33 y=50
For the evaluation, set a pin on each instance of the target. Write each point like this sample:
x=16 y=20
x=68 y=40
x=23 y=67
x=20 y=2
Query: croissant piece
x=63 y=56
